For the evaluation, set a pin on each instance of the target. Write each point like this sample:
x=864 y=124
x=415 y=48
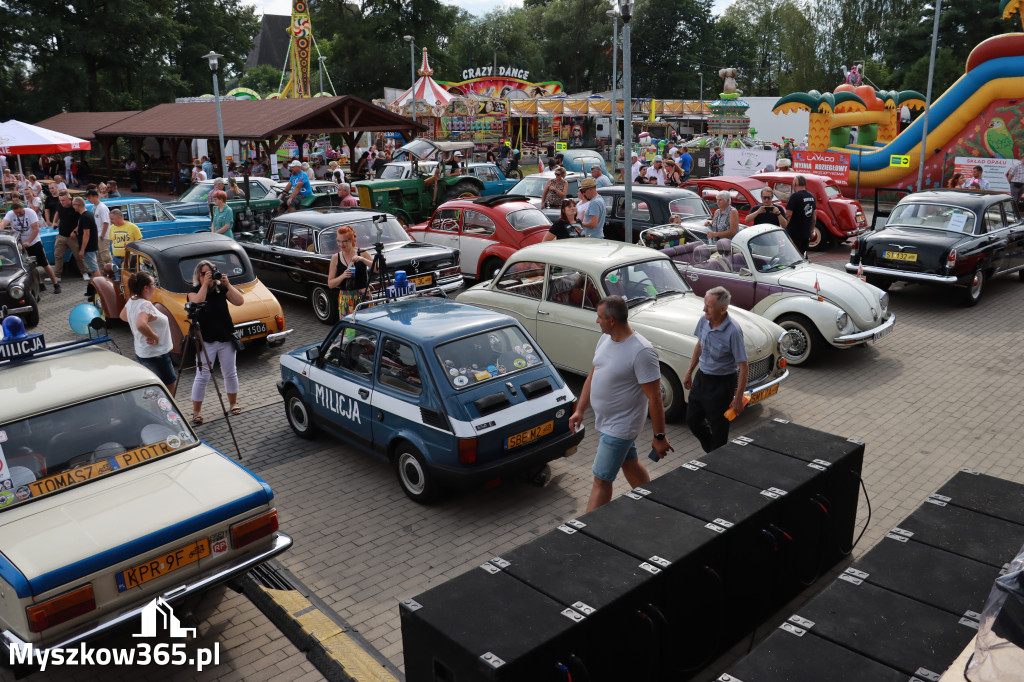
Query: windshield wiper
x=642 y=299
x=669 y=291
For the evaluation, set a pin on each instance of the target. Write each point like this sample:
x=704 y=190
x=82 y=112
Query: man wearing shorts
x=25 y=223
x=625 y=370
x=88 y=237
x=300 y=188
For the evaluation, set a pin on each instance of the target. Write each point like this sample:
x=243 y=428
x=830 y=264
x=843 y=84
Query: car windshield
x=532 y=186
x=366 y=234
x=688 y=206
x=481 y=357
x=197 y=192
x=393 y=171
x=773 y=250
x=933 y=216
x=228 y=263
x=419 y=148
x=585 y=162
x=647 y=279
x=54 y=451
x=527 y=218
x=8 y=256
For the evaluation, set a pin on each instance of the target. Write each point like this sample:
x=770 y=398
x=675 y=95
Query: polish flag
x=817 y=287
x=860 y=272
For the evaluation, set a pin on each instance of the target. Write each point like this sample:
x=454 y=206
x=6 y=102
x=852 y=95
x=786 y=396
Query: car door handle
x=543 y=312
x=692 y=277
x=363 y=393
x=306 y=261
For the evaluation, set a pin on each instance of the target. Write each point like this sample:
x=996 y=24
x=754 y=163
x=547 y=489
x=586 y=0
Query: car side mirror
x=313 y=354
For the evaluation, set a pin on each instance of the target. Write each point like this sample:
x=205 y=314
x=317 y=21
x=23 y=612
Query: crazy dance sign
x=502 y=86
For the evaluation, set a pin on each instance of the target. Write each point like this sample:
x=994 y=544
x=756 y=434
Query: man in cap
x=593 y=220
x=637 y=165
x=455 y=165
x=658 y=171
x=300 y=188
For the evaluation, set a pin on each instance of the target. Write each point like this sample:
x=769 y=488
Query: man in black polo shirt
x=88 y=236
x=66 y=223
x=767 y=211
x=800 y=210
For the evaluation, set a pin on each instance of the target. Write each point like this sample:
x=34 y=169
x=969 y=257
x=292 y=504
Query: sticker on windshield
x=164 y=404
x=3 y=436
x=532 y=359
x=173 y=417
x=237 y=271
x=519 y=363
x=481 y=376
x=519 y=349
x=454 y=372
x=528 y=348
x=460 y=380
x=6 y=498
x=5 y=474
x=173 y=442
x=22 y=493
x=150 y=394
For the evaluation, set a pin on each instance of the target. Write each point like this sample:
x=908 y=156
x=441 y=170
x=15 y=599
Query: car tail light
x=61 y=609
x=280 y=323
x=449 y=272
x=861 y=219
x=467 y=451
x=251 y=530
x=951 y=258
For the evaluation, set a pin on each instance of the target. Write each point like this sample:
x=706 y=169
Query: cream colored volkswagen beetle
x=553 y=288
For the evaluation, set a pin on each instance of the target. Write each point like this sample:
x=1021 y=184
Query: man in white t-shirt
x=102 y=215
x=636 y=166
x=25 y=224
x=625 y=371
x=657 y=171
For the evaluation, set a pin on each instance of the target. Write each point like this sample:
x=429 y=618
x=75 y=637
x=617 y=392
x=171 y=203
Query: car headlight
x=842 y=319
x=785 y=342
x=883 y=302
x=16 y=290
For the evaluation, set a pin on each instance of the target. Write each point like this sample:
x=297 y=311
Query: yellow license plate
x=763 y=393
x=422 y=281
x=529 y=435
x=157 y=567
x=900 y=255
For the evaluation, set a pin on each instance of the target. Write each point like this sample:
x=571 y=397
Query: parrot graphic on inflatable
x=998 y=140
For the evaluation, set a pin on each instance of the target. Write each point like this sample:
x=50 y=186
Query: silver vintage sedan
x=553 y=288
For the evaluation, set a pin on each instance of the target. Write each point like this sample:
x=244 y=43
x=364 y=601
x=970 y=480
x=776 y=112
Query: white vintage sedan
x=765 y=274
x=108 y=500
x=553 y=288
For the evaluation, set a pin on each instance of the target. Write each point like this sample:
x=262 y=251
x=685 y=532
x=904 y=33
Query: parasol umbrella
x=425 y=90
x=17 y=138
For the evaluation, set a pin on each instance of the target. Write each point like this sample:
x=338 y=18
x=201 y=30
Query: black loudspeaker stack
x=908 y=607
x=655 y=584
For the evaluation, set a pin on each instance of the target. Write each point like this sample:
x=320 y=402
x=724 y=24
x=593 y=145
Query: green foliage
x=264 y=79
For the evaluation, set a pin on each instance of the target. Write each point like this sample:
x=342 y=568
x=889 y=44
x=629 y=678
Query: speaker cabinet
x=961 y=531
x=984 y=494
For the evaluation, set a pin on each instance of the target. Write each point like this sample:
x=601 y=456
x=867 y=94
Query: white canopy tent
x=17 y=138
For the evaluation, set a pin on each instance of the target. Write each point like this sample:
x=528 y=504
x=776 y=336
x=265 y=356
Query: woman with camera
x=349 y=271
x=150 y=328
x=211 y=293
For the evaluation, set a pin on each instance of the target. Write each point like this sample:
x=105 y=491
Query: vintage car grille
x=759 y=370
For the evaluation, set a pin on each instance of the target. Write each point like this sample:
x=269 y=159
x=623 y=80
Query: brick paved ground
x=937 y=395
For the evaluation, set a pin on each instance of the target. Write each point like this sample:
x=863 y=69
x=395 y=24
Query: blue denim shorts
x=92 y=263
x=162 y=366
x=612 y=453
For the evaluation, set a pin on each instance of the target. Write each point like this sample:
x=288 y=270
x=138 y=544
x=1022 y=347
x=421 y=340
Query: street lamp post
x=614 y=14
x=212 y=58
x=701 y=74
x=626 y=10
x=412 y=72
x=928 y=98
x=322 y=59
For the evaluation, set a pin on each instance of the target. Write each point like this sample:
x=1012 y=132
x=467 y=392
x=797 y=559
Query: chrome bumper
x=865 y=336
x=901 y=274
x=452 y=286
x=14 y=311
x=758 y=387
x=114 y=620
x=278 y=338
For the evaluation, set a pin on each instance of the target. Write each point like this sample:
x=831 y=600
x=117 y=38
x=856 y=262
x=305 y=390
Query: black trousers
x=710 y=397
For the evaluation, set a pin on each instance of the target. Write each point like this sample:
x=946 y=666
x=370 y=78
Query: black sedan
x=19 y=283
x=294 y=256
x=945 y=237
x=651 y=205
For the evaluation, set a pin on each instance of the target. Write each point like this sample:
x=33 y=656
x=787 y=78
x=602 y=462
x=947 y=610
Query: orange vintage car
x=171 y=260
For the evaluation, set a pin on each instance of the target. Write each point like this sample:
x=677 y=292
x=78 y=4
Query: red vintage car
x=838 y=218
x=487 y=230
x=746 y=192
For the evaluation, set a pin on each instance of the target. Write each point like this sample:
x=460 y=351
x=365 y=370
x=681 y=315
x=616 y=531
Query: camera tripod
x=194 y=339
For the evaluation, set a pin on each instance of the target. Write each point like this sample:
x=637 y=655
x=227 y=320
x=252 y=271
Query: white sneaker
x=85 y=278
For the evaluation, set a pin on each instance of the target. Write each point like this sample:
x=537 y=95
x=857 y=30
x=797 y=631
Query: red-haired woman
x=349 y=271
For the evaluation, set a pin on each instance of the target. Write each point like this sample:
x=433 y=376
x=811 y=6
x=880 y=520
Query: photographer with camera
x=209 y=298
x=767 y=212
x=150 y=328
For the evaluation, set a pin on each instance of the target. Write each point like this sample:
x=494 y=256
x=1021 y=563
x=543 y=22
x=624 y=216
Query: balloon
x=80 y=317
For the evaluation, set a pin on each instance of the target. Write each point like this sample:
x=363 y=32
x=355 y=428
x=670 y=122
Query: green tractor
x=413 y=199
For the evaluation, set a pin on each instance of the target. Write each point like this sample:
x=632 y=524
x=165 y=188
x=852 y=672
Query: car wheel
x=325 y=304
x=461 y=189
x=32 y=318
x=882 y=283
x=412 y=475
x=820 y=239
x=672 y=395
x=490 y=269
x=1020 y=274
x=299 y=416
x=973 y=292
x=807 y=341
x=517 y=174
x=97 y=301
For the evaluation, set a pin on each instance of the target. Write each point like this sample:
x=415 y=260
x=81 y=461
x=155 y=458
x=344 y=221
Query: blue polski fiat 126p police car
x=452 y=394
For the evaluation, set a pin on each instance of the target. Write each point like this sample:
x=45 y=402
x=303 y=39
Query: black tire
x=325 y=304
x=1020 y=275
x=411 y=470
x=462 y=188
x=882 y=283
x=807 y=340
x=300 y=417
x=820 y=239
x=32 y=317
x=516 y=173
x=972 y=294
x=490 y=269
x=672 y=396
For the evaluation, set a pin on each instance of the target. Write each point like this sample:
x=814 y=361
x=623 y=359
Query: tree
x=669 y=39
x=264 y=79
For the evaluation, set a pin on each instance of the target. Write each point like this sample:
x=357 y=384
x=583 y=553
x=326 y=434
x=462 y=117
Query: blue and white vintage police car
x=452 y=394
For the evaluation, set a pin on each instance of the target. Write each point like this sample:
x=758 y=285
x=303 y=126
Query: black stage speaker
x=486 y=625
x=984 y=494
x=843 y=457
x=961 y=531
x=791 y=655
x=941 y=579
x=694 y=620
x=894 y=630
x=612 y=590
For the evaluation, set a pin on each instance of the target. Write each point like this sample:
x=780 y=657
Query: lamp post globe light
x=412 y=72
x=212 y=58
x=626 y=12
x=614 y=14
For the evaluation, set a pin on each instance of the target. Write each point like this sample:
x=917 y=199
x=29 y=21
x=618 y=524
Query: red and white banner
x=835 y=165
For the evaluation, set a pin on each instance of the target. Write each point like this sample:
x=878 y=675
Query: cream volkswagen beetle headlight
x=842 y=319
x=883 y=302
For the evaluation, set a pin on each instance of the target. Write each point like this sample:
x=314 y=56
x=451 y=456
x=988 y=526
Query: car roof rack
x=499 y=199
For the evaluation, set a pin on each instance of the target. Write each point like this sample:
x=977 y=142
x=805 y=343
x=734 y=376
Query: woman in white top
x=33 y=201
x=59 y=181
x=150 y=328
x=35 y=186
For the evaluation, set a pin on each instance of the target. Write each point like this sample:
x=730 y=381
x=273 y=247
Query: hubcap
x=799 y=346
x=976 y=284
x=412 y=475
x=666 y=394
x=298 y=413
x=320 y=304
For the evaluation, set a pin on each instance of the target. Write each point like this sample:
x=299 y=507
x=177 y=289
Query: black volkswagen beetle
x=947 y=237
x=293 y=257
x=651 y=205
x=19 y=282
